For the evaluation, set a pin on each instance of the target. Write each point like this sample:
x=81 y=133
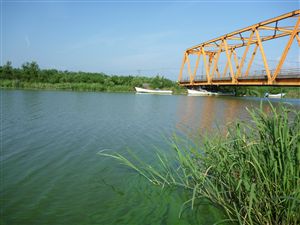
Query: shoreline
x=133 y=92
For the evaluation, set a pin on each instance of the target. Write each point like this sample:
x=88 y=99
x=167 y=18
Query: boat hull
x=280 y=95
x=149 y=91
x=207 y=93
x=200 y=93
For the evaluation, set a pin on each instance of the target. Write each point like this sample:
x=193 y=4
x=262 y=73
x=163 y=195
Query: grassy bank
x=30 y=76
x=259 y=91
x=253 y=173
x=95 y=87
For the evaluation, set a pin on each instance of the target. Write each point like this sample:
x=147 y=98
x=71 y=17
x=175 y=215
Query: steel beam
x=226 y=45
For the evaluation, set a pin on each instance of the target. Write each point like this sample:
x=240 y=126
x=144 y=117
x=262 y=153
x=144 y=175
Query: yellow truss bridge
x=238 y=69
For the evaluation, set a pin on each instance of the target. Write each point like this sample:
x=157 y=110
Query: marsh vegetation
x=252 y=173
x=30 y=76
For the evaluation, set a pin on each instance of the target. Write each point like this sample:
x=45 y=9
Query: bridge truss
x=249 y=41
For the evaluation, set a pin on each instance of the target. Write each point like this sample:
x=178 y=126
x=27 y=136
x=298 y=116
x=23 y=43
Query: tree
x=7 y=71
x=31 y=71
x=156 y=82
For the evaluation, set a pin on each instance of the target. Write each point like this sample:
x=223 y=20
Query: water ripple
x=53 y=175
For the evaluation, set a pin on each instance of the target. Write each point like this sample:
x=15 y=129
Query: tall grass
x=253 y=173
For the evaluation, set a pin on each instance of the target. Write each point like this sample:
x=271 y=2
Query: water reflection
x=203 y=114
x=198 y=115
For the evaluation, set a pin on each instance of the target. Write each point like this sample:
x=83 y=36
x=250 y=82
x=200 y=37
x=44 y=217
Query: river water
x=51 y=172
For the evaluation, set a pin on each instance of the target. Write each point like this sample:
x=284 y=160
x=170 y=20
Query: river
x=51 y=172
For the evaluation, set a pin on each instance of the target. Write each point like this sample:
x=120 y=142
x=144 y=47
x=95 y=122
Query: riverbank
x=91 y=87
x=30 y=76
x=290 y=92
x=260 y=91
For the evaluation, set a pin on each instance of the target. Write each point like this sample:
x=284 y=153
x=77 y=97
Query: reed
x=253 y=173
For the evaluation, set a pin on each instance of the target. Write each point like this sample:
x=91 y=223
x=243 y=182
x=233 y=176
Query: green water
x=50 y=170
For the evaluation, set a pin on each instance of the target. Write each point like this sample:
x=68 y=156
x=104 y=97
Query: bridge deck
x=289 y=77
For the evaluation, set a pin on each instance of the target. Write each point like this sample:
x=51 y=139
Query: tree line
x=30 y=75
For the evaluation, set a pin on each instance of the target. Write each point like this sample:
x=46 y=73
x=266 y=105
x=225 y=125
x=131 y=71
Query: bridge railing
x=254 y=75
x=287 y=73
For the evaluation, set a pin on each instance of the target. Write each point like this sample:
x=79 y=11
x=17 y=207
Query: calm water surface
x=50 y=170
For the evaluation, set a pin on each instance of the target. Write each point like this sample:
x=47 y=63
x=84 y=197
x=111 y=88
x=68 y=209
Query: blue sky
x=121 y=37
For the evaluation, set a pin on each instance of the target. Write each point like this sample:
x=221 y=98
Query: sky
x=122 y=37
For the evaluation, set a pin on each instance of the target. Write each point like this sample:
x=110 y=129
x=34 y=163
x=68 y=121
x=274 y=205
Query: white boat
x=142 y=90
x=203 y=92
x=280 y=95
x=200 y=92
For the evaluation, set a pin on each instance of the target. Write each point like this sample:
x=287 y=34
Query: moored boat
x=200 y=92
x=143 y=90
x=280 y=95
